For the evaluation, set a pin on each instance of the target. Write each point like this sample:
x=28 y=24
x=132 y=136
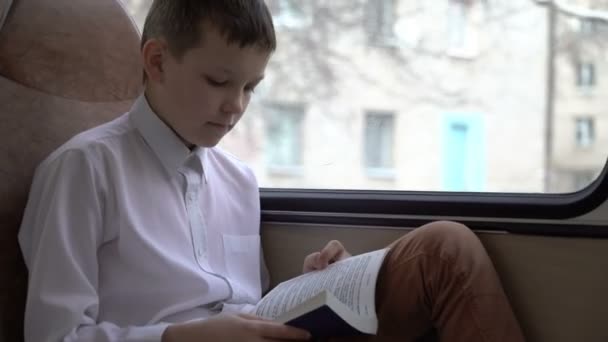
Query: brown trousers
x=440 y=277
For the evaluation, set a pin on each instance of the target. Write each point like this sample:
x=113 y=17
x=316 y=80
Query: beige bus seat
x=65 y=65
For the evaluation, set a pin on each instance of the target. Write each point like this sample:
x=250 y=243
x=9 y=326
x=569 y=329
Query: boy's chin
x=207 y=143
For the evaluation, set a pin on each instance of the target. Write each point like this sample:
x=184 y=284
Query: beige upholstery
x=65 y=65
x=557 y=285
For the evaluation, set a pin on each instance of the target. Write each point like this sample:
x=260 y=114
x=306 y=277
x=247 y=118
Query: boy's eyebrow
x=230 y=72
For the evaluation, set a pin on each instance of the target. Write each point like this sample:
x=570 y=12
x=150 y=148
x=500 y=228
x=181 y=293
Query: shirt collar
x=169 y=148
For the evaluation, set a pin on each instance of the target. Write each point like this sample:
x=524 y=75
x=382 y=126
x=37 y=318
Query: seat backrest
x=65 y=66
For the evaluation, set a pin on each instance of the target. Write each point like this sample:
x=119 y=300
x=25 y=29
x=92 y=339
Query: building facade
x=450 y=95
x=580 y=142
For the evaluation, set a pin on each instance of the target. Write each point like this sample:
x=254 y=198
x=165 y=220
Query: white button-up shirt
x=127 y=230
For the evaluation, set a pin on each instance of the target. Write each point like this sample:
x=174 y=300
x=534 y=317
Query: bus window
x=484 y=96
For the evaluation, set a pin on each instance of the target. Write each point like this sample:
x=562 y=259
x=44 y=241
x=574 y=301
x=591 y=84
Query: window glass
x=379 y=143
x=586 y=26
x=386 y=18
x=462 y=29
x=586 y=74
x=284 y=138
x=442 y=95
x=290 y=13
x=585 y=133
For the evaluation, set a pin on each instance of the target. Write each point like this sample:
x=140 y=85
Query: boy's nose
x=235 y=104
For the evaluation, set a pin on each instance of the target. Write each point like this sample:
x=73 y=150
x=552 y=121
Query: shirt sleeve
x=60 y=234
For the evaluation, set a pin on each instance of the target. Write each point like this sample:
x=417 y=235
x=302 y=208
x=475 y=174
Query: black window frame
x=402 y=208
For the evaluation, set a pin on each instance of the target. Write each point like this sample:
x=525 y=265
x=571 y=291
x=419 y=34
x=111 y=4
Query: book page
x=352 y=281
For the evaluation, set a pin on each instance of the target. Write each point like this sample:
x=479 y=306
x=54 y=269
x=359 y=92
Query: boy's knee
x=448 y=231
x=441 y=238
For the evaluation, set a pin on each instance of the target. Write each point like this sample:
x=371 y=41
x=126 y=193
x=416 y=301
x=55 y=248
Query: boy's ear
x=154 y=54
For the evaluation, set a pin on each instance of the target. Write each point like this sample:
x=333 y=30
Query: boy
x=142 y=230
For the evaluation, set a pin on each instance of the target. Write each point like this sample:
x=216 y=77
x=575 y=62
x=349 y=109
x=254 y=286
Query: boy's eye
x=251 y=87
x=215 y=83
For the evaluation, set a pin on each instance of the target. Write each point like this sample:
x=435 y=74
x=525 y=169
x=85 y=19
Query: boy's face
x=203 y=95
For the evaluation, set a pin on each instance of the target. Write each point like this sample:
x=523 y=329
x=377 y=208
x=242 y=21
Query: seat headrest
x=5 y=6
x=85 y=50
x=65 y=66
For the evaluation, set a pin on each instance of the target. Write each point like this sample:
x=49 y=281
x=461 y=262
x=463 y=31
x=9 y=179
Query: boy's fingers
x=280 y=331
x=330 y=252
x=311 y=262
x=321 y=261
x=253 y=317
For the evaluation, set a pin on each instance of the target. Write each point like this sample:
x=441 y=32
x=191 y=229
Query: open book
x=336 y=301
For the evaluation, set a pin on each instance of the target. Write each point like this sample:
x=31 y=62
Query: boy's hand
x=332 y=252
x=229 y=328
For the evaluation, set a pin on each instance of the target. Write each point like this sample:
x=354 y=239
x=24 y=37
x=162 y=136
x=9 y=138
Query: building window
x=291 y=13
x=387 y=18
x=585 y=132
x=382 y=20
x=284 y=141
x=379 y=143
x=585 y=74
x=462 y=35
x=587 y=26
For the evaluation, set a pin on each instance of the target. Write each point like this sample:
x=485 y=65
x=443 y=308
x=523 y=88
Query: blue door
x=463 y=153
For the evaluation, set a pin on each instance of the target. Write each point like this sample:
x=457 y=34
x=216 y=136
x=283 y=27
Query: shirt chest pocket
x=242 y=257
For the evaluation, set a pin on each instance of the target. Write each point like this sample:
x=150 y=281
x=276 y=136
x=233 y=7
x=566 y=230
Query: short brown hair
x=244 y=22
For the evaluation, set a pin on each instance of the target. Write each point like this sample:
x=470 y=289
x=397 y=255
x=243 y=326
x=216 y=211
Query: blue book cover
x=323 y=323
